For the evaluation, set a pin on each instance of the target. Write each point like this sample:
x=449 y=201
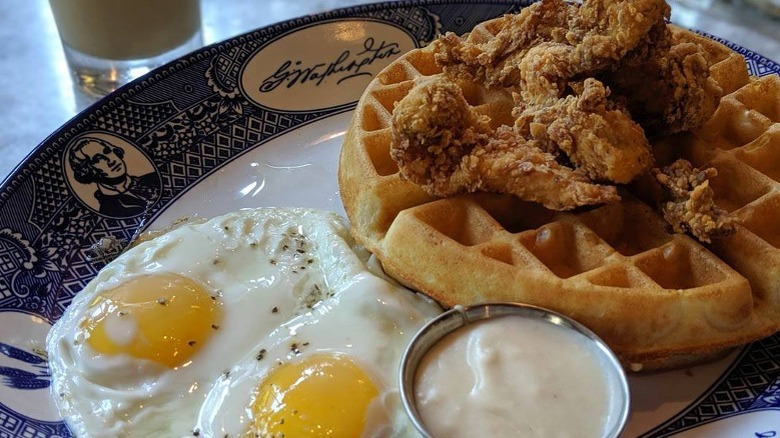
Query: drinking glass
x=108 y=43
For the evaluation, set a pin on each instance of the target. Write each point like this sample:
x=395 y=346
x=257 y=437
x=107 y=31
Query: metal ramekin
x=459 y=316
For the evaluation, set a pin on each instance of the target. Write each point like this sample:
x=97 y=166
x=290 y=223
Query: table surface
x=37 y=94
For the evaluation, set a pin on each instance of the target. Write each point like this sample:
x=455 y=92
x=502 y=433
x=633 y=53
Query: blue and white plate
x=258 y=120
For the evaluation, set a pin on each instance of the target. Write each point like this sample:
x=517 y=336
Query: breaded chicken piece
x=495 y=63
x=597 y=136
x=669 y=93
x=540 y=51
x=440 y=143
x=586 y=39
x=590 y=82
x=627 y=45
x=690 y=206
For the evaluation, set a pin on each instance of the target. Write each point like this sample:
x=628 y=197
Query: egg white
x=370 y=320
x=252 y=261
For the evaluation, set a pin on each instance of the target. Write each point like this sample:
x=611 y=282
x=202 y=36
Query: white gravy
x=514 y=376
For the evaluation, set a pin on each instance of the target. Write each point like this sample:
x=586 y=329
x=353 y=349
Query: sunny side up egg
x=167 y=336
x=331 y=372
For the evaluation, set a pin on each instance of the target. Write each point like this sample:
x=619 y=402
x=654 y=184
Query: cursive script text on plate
x=354 y=53
x=346 y=66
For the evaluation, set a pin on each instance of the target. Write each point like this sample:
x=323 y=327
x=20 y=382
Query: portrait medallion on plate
x=110 y=175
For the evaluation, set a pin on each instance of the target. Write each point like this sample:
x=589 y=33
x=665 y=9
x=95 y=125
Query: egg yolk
x=164 y=318
x=324 y=395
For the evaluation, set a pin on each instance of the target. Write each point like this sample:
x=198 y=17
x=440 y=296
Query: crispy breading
x=596 y=135
x=587 y=39
x=449 y=149
x=589 y=81
x=690 y=206
x=670 y=93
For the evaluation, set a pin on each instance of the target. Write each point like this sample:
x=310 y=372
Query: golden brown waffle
x=742 y=141
x=659 y=299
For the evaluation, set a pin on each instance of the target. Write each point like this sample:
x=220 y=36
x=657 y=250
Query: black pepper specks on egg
x=315 y=295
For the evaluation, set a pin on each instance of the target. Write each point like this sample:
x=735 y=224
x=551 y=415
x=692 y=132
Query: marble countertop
x=37 y=95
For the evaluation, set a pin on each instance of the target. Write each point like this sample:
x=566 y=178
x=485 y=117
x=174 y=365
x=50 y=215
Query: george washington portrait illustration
x=109 y=182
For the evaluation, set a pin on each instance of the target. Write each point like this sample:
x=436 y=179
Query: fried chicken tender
x=442 y=144
x=540 y=51
x=690 y=207
x=625 y=44
x=670 y=93
x=494 y=63
x=590 y=81
x=597 y=136
x=586 y=39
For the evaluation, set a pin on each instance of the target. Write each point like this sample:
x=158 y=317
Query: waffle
x=659 y=299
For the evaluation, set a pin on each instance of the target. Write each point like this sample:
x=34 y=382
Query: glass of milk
x=108 y=43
